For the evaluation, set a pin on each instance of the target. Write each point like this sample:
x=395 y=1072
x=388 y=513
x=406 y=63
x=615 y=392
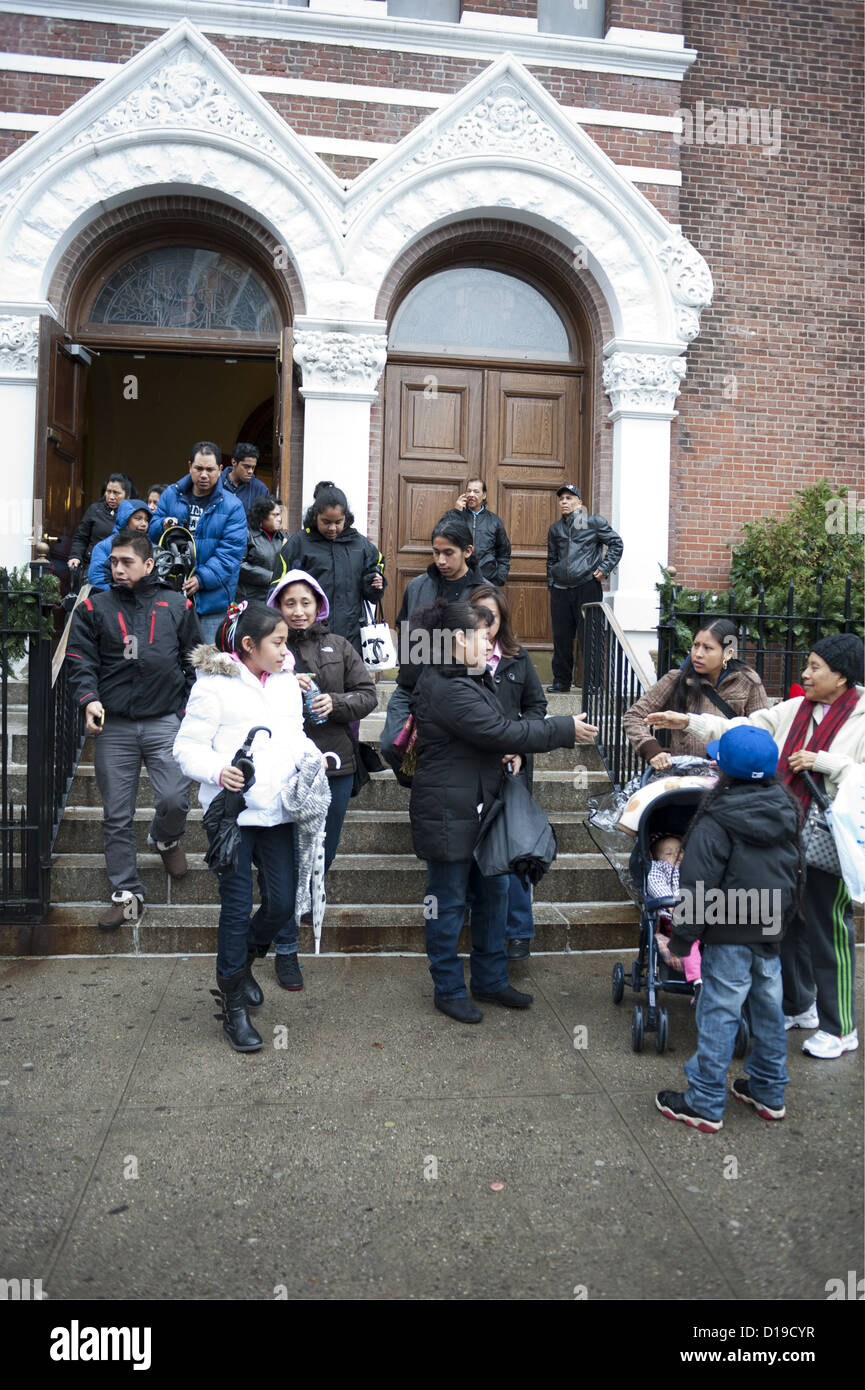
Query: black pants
x=819 y=951
x=568 y=622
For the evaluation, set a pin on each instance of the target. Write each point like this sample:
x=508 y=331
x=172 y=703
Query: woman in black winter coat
x=347 y=566
x=263 y=544
x=98 y=521
x=463 y=742
x=521 y=696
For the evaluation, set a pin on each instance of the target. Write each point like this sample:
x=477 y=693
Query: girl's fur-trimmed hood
x=210 y=661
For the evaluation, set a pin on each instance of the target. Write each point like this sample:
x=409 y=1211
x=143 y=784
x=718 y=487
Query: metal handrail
x=613 y=680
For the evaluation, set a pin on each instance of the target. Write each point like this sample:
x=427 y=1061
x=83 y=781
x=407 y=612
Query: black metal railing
x=775 y=644
x=33 y=800
x=612 y=681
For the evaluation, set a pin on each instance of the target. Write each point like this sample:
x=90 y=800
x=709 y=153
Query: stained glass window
x=186 y=287
x=472 y=310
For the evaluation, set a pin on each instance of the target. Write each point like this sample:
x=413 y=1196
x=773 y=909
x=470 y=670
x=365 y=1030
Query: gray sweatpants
x=118 y=753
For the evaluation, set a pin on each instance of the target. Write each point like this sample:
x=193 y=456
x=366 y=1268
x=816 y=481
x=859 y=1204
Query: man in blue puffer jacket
x=218 y=522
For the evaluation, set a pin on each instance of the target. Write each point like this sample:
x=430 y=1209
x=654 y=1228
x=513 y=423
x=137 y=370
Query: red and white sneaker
x=672 y=1104
x=742 y=1091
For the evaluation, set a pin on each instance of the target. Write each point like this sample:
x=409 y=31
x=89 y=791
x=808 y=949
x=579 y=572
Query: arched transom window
x=186 y=288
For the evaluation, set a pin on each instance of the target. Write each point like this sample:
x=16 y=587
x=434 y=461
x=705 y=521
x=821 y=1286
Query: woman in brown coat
x=710 y=678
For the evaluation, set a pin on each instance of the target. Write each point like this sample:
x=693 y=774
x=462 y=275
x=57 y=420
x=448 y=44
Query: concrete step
x=352 y=878
x=364 y=832
x=556 y=790
x=70 y=928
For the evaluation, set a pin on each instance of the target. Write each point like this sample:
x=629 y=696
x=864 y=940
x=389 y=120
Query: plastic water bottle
x=308 y=697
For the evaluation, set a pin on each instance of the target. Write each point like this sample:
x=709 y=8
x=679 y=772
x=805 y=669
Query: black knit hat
x=842 y=652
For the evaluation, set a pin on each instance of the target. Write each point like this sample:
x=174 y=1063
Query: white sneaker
x=807 y=1020
x=826 y=1045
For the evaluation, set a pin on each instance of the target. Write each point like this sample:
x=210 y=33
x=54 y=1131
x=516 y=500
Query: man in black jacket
x=129 y=670
x=452 y=575
x=576 y=564
x=492 y=549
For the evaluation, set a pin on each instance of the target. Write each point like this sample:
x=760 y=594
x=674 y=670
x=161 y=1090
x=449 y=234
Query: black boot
x=254 y=996
x=235 y=1019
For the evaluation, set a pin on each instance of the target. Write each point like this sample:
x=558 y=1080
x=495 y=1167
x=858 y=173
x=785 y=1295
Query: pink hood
x=295 y=577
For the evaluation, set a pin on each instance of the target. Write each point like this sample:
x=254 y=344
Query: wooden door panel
x=435 y=423
x=530 y=603
x=58 y=466
x=525 y=510
x=422 y=501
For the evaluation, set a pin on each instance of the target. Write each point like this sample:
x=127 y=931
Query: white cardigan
x=227 y=701
x=847 y=748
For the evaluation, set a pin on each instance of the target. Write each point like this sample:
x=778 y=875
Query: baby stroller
x=174 y=556
x=669 y=814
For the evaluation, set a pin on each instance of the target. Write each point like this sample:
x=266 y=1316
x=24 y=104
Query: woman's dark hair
x=157 y=488
x=688 y=690
x=327 y=494
x=256 y=621
x=708 y=799
x=453 y=527
x=260 y=509
x=505 y=636
x=449 y=616
x=124 y=480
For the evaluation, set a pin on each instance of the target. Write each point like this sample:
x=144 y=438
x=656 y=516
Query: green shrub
x=23 y=612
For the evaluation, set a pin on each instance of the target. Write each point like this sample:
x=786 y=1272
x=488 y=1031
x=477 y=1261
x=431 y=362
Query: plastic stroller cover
x=606 y=811
x=174 y=556
x=515 y=835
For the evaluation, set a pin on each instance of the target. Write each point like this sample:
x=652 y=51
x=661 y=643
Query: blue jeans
x=448 y=884
x=521 y=923
x=273 y=846
x=732 y=974
x=340 y=795
x=210 y=624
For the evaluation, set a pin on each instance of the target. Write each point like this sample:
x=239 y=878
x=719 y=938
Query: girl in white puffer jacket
x=241 y=683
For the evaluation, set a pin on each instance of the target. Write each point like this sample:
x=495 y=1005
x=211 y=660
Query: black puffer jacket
x=492 y=549
x=256 y=571
x=423 y=590
x=339 y=673
x=462 y=734
x=96 y=523
x=130 y=648
x=575 y=549
x=520 y=695
x=344 y=568
x=745 y=841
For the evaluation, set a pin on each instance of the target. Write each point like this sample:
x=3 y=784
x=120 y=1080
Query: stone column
x=642 y=386
x=341 y=364
x=19 y=357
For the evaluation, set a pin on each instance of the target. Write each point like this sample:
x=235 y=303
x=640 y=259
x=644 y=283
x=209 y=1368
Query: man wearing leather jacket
x=581 y=551
x=492 y=548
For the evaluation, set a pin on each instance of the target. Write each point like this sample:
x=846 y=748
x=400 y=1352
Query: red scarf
x=823 y=735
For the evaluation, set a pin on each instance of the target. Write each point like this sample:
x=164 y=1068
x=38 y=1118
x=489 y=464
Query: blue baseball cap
x=745 y=752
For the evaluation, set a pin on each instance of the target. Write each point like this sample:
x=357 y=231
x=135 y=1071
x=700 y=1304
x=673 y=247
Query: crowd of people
x=259 y=641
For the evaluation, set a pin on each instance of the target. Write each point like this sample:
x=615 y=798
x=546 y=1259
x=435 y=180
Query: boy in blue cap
x=739 y=882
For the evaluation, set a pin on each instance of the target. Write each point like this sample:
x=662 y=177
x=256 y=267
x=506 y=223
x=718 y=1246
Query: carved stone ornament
x=690 y=282
x=504 y=122
x=340 y=362
x=643 y=382
x=19 y=346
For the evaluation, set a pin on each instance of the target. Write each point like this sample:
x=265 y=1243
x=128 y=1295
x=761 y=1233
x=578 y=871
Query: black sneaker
x=510 y=998
x=288 y=972
x=741 y=1089
x=672 y=1104
x=463 y=1010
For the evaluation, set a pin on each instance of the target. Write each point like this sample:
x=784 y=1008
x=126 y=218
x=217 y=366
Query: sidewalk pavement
x=388 y=1153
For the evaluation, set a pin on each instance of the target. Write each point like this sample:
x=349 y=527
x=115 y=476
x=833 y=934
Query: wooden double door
x=521 y=430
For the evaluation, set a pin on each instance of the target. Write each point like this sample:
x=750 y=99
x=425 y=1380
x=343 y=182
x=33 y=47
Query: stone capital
x=339 y=364
x=643 y=383
x=19 y=346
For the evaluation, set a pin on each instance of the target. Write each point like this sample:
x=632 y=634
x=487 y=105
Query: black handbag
x=818 y=842
x=515 y=835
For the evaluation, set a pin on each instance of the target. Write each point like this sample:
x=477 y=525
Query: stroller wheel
x=663 y=1032
x=637 y=1028
x=618 y=982
x=743 y=1038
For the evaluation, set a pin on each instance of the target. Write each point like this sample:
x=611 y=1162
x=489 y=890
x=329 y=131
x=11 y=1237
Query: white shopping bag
x=377 y=650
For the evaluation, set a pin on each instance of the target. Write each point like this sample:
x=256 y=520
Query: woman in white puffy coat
x=241 y=683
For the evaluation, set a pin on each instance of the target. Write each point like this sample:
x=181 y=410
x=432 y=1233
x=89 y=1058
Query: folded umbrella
x=515 y=835
x=220 y=818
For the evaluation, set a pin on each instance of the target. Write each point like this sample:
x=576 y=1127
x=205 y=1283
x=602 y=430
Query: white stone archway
x=179 y=117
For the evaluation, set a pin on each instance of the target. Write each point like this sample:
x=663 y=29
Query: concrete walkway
x=389 y=1153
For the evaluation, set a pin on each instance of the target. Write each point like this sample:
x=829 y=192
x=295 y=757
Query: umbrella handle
x=259 y=729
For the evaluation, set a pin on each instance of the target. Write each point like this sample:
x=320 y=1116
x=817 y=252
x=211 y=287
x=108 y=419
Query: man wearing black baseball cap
x=576 y=564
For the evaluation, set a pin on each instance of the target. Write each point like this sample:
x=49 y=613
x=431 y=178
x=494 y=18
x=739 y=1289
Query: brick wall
x=664 y=16
x=772 y=399
x=525 y=8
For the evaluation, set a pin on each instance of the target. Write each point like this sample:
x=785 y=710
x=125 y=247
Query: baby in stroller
x=663 y=882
